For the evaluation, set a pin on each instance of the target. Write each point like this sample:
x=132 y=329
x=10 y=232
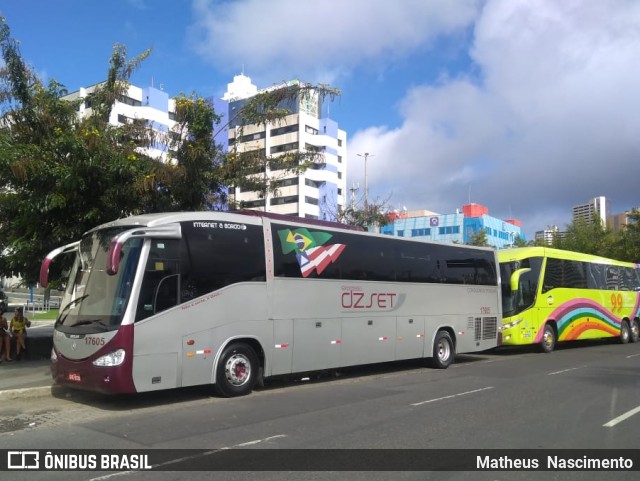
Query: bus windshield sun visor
x=44 y=267
x=171 y=231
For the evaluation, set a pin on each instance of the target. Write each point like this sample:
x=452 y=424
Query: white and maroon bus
x=170 y=300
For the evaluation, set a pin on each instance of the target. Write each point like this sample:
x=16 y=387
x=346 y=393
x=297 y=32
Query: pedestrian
x=5 y=337
x=19 y=325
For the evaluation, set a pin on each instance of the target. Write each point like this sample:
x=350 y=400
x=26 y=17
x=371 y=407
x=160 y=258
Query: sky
x=529 y=107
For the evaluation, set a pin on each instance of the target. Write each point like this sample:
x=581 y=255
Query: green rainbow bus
x=551 y=295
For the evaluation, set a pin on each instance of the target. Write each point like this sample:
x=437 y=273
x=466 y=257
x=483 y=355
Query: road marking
x=621 y=418
x=452 y=396
x=564 y=370
x=195 y=456
x=633 y=355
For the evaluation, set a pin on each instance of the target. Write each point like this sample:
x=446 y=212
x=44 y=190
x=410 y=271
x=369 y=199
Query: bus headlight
x=114 y=358
x=511 y=324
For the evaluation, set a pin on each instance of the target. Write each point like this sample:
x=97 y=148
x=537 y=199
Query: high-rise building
x=547 y=235
x=596 y=208
x=617 y=222
x=317 y=193
x=150 y=105
x=459 y=228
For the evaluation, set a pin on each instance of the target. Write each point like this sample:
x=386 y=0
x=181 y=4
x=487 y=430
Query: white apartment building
x=547 y=235
x=596 y=208
x=317 y=193
x=150 y=105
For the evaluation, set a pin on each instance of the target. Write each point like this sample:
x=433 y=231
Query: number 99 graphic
x=616 y=303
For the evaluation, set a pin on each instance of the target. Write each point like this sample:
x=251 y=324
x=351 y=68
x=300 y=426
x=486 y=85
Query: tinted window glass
x=306 y=252
x=217 y=254
x=159 y=289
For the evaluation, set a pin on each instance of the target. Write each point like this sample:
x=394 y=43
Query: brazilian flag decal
x=310 y=249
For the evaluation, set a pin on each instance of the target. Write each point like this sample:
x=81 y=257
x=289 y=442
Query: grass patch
x=39 y=315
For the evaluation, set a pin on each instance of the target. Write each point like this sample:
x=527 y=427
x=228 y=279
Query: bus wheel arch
x=635 y=330
x=444 y=349
x=239 y=368
x=549 y=337
x=625 y=332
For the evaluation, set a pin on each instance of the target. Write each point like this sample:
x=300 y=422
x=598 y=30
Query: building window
x=286 y=182
x=252 y=204
x=284 y=130
x=420 y=232
x=310 y=130
x=452 y=229
x=172 y=115
x=291 y=199
x=129 y=101
x=339 y=159
x=311 y=200
x=339 y=142
x=284 y=147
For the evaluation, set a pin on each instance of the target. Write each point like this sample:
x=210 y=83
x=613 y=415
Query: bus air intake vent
x=489 y=328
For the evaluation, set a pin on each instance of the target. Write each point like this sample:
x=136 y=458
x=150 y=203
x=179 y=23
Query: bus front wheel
x=548 y=343
x=237 y=370
x=443 y=350
x=635 y=331
x=625 y=332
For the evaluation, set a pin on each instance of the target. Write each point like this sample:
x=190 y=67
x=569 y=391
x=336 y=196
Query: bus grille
x=485 y=328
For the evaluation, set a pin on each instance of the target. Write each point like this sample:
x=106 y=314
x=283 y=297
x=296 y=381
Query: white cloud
x=553 y=122
x=546 y=118
x=319 y=40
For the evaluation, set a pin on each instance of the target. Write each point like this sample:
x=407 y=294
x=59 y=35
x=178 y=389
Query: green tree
x=479 y=239
x=587 y=237
x=627 y=243
x=520 y=242
x=61 y=174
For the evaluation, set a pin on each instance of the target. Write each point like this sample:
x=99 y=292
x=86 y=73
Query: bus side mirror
x=515 y=278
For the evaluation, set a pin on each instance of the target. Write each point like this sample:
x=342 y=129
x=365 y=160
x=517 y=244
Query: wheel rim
x=444 y=351
x=635 y=331
x=625 y=332
x=238 y=370
x=548 y=338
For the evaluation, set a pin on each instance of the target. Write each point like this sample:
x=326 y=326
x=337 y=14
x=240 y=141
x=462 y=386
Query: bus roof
x=506 y=255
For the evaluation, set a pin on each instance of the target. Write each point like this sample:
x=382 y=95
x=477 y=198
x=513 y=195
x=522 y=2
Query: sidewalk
x=29 y=377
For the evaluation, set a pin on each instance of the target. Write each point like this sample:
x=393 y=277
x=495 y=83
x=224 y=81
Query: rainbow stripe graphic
x=579 y=316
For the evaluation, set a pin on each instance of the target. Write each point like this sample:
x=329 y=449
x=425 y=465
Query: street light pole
x=366 y=156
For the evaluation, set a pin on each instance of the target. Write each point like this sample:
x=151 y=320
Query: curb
x=26 y=393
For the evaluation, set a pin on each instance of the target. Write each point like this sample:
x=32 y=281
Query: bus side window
x=159 y=290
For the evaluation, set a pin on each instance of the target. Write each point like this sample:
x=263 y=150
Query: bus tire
x=237 y=370
x=635 y=331
x=443 y=350
x=549 y=339
x=625 y=332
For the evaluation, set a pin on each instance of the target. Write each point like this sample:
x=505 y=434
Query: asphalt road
x=579 y=397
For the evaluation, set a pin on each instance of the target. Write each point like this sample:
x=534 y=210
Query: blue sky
x=529 y=107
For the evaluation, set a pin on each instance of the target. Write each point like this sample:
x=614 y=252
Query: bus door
x=157 y=337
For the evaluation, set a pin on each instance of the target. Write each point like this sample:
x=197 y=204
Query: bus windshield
x=95 y=301
x=527 y=272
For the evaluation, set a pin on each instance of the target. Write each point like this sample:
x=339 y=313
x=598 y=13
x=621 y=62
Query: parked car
x=3 y=301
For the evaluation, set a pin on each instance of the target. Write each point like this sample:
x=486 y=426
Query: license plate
x=74 y=377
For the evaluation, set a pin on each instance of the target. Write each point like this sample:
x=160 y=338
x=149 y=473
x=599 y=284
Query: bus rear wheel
x=443 y=350
x=625 y=332
x=635 y=331
x=237 y=370
x=548 y=343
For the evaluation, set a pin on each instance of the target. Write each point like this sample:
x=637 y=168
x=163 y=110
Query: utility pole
x=366 y=156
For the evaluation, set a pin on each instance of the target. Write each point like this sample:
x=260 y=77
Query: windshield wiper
x=85 y=322
x=67 y=307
